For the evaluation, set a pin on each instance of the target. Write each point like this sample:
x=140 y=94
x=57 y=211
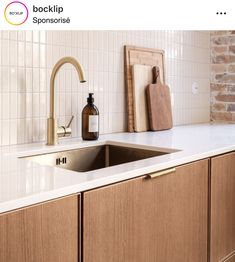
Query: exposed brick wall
x=223 y=76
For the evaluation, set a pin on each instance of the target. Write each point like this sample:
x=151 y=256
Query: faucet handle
x=68 y=130
x=63 y=131
x=70 y=122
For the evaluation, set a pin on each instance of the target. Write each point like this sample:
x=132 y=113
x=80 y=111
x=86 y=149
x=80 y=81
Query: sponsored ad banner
x=72 y=15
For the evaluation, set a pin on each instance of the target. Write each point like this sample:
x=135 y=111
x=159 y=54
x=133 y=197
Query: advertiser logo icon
x=16 y=13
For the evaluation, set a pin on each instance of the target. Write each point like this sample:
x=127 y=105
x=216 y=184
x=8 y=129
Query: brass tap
x=53 y=131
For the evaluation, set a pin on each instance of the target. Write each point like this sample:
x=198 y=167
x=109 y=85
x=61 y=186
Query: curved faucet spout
x=61 y=62
x=52 y=130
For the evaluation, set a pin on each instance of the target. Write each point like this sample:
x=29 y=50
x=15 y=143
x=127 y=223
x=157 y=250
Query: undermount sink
x=96 y=157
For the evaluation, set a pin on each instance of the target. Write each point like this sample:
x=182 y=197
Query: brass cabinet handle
x=161 y=173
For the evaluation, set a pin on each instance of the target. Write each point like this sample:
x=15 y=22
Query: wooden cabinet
x=152 y=220
x=176 y=217
x=46 y=232
x=222 y=207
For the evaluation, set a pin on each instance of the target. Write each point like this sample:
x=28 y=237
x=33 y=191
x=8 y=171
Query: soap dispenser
x=90 y=120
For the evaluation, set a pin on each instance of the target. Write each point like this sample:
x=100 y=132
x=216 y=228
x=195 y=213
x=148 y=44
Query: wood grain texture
x=142 y=77
x=138 y=55
x=230 y=259
x=149 y=220
x=159 y=107
x=222 y=206
x=43 y=233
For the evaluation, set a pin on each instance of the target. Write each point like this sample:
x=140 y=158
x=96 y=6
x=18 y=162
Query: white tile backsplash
x=27 y=58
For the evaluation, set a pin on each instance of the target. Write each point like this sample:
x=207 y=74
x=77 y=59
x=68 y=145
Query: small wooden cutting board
x=159 y=104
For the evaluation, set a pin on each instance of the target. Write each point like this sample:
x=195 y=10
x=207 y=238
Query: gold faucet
x=53 y=131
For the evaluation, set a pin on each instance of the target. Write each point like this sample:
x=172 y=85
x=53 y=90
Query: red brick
x=218 y=107
x=231 y=68
x=220 y=40
x=221 y=59
x=232 y=49
x=218 y=87
x=231 y=40
x=218 y=68
x=219 y=49
x=225 y=98
x=222 y=116
x=225 y=78
x=219 y=32
x=231 y=58
x=231 y=88
x=231 y=107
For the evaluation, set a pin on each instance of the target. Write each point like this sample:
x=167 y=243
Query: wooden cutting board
x=141 y=77
x=159 y=104
x=144 y=56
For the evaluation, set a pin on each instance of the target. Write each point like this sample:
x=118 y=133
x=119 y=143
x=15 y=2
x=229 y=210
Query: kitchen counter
x=24 y=183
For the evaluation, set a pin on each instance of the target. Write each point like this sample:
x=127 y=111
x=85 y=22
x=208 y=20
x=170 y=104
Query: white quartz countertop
x=24 y=183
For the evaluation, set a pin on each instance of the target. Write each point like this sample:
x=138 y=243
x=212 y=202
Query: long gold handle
x=161 y=173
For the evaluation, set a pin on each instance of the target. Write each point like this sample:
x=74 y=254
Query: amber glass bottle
x=90 y=120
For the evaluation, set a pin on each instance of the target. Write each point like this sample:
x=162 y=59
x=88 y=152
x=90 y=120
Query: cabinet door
x=222 y=206
x=149 y=220
x=46 y=232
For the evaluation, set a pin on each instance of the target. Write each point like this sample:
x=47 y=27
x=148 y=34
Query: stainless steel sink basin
x=95 y=157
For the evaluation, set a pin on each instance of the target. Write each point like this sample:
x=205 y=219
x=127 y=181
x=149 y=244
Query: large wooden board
x=137 y=55
x=142 y=77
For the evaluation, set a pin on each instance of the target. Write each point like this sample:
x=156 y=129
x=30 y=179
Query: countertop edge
x=38 y=198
